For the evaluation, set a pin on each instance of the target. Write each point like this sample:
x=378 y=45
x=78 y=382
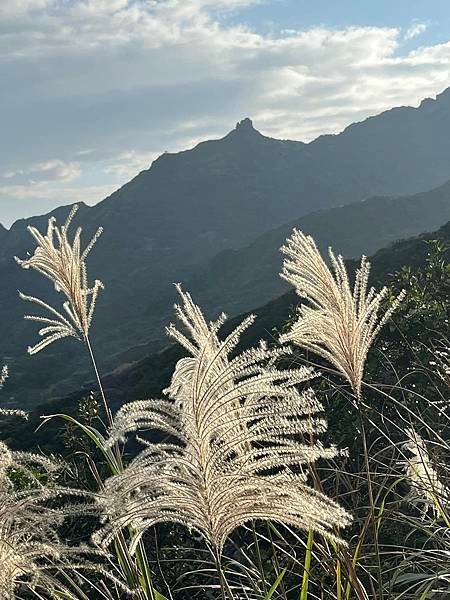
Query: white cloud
x=65 y=195
x=51 y=170
x=84 y=152
x=19 y=201
x=415 y=30
x=113 y=83
x=128 y=164
x=13 y=8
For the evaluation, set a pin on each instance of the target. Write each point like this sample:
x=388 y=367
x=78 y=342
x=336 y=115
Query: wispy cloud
x=17 y=201
x=14 y=8
x=51 y=170
x=131 y=162
x=415 y=30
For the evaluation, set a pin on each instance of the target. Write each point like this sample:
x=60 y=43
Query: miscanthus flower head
x=442 y=363
x=63 y=262
x=32 y=509
x=426 y=485
x=31 y=514
x=235 y=449
x=28 y=543
x=3 y=375
x=337 y=321
x=28 y=528
x=9 y=411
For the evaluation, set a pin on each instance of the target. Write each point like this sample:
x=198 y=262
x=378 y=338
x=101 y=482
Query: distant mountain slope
x=236 y=280
x=190 y=206
x=146 y=378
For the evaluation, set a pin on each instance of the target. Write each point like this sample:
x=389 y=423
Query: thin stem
x=371 y=499
x=307 y=565
x=259 y=558
x=99 y=381
x=353 y=581
x=144 y=579
x=275 y=562
x=338 y=579
x=225 y=590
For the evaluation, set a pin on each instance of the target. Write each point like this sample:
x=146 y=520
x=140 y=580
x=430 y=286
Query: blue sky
x=94 y=90
x=304 y=14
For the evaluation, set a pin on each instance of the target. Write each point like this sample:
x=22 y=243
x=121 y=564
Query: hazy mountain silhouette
x=147 y=377
x=173 y=218
x=238 y=280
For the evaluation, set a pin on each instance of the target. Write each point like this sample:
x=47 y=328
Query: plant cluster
x=227 y=486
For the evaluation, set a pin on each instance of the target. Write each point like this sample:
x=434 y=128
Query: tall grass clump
x=337 y=322
x=239 y=426
x=33 y=508
x=63 y=262
x=234 y=465
x=239 y=453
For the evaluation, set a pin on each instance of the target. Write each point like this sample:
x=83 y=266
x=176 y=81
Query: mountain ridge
x=148 y=376
x=170 y=220
x=253 y=270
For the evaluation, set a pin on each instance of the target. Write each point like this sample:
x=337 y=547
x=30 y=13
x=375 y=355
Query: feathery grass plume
x=31 y=513
x=426 y=486
x=32 y=554
x=442 y=363
x=12 y=412
x=3 y=375
x=29 y=543
x=338 y=323
x=31 y=551
x=235 y=452
x=64 y=263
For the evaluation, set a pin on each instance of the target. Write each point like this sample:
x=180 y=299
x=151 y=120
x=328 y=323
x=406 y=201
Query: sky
x=92 y=91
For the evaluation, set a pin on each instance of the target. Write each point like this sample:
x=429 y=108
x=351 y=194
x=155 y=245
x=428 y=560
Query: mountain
x=147 y=377
x=173 y=218
x=237 y=280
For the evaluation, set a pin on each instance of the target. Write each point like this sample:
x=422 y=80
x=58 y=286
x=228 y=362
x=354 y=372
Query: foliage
x=233 y=453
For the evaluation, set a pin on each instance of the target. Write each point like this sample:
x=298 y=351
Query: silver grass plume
x=3 y=375
x=235 y=451
x=30 y=549
x=426 y=485
x=338 y=323
x=31 y=552
x=9 y=411
x=29 y=543
x=442 y=363
x=64 y=263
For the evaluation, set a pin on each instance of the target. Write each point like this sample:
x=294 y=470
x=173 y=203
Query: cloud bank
x=93 y=90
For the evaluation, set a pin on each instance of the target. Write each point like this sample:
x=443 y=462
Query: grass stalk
x=307 y=566
x=371 y=501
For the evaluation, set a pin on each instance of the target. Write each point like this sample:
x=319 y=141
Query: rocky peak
x=245 y=125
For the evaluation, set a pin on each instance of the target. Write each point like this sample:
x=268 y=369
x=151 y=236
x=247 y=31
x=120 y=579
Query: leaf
x=274 y=587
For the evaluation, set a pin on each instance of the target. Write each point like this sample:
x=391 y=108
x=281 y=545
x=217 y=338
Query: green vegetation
x=232 y=486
